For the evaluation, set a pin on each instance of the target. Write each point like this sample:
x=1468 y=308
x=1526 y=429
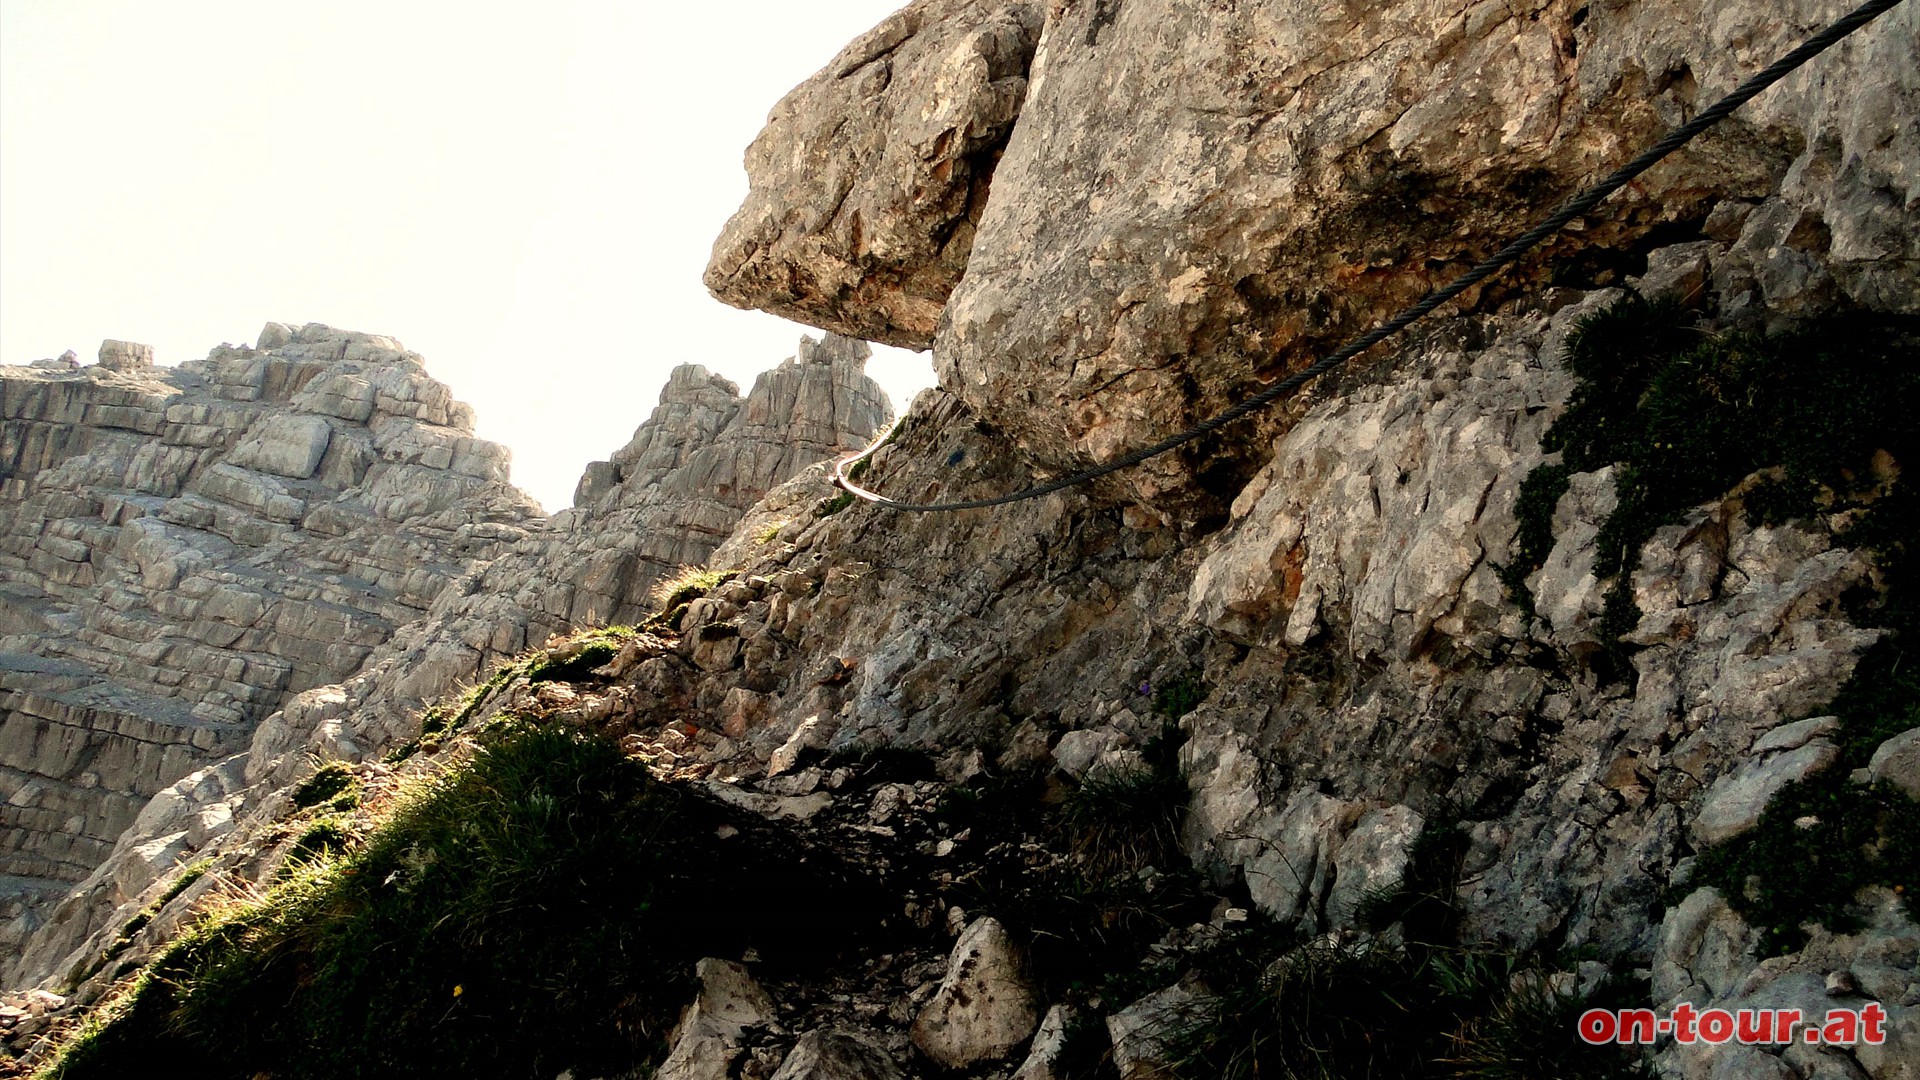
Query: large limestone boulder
x=1196 y=198
x=871 y=177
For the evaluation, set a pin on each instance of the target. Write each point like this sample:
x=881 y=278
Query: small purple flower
x=1146 y=688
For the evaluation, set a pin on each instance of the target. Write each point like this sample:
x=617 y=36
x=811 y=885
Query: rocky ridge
x=186 y=548
x=665 y=501
x=1357 y=646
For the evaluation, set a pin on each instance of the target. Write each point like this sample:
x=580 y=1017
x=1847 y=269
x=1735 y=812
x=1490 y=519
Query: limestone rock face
x=871 y=177
x=184 y=549
x=669 y=497
x=1194 y=198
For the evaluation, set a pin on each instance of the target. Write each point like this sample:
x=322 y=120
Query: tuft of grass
x=1178 y=697
x=535 y=908
x=1529 y=1033
x=689 y=584
x=769 y=532
x=333 y=783
x=1328 y=1009
x=323 y=838
x=1100 y=911
x=832 y=506
x=140 y=921
x=1125 y=820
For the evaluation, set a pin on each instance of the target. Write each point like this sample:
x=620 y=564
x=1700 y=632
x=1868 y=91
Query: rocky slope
x=184 y=549
x=666 y=500
x=1546 y=637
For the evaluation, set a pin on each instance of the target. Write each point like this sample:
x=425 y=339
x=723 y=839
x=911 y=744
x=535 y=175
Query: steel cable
x=1569 y=210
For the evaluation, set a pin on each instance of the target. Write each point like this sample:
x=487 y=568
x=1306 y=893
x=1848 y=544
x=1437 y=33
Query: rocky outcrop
x=664 y=501
x=1360 y=655
x=871 y=177
x=1193 y=199
x=182 y=550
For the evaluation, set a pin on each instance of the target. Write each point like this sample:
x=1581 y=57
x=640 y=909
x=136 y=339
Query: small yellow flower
x=458 y=990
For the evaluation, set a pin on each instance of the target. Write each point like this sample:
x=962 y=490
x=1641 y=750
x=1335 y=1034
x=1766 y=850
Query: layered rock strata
x=1174 y=193
x=184 y=549
x=665 y=500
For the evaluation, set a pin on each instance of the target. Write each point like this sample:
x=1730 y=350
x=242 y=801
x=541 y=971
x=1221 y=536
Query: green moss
x=322 y=838
x=140 y=921
x=535 y=909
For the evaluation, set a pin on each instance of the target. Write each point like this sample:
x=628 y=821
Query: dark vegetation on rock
x=1822 y=417
x=1687 y=411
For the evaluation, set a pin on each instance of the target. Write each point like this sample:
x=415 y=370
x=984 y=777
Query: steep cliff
x=1558 y=654
x=187 y=548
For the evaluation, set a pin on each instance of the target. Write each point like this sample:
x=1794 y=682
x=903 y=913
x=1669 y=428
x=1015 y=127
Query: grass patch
x=769 y=532
x=1125 y=820
x=534 y=909
x=832 y=506
x=1126 y=884
x=690 y=583
x=322 y=838
x=140 y=921
x=1325 y=1009
x=333 y=784
x=1177 y=697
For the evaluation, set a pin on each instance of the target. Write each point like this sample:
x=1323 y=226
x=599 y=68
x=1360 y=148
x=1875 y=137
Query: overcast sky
x=525 y=194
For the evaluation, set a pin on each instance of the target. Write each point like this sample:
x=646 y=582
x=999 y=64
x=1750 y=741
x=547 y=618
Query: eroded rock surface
x=665 y=500
x=871 y=177
x=1193 y=198
x=184 y=549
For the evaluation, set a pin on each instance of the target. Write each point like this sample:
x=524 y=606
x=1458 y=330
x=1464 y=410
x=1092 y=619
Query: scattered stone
x=1044 y=1059
x=1897 y=762
x=709 y=1038
x=985 y=1006
x=1141 y=1031
x=837 y=1055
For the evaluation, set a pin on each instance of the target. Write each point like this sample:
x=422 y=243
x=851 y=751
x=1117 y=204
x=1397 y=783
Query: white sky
x=525 y=194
